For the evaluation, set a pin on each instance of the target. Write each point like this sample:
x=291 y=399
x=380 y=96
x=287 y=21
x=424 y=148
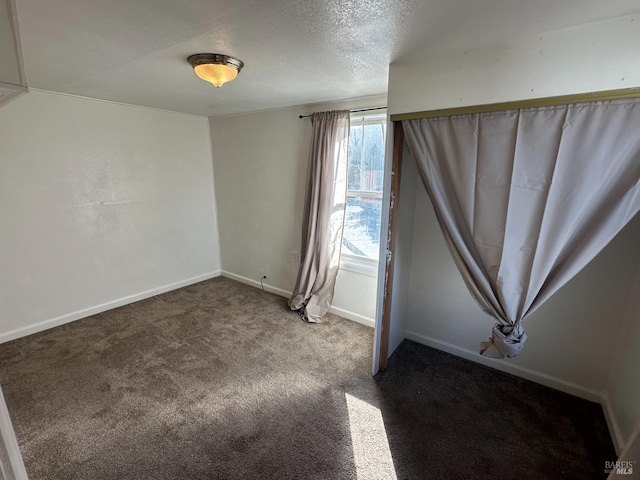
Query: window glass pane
x=362 y=227
x=373 y=161
x=365 y=174
x=355 y=153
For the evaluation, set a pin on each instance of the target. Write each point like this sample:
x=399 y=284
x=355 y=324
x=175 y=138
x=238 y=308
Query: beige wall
x=260 y=161
x=101 y=204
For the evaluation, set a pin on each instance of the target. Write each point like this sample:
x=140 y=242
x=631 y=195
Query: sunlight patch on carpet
x=371 y=452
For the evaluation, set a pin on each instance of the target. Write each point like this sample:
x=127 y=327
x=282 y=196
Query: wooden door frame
x=394 y=197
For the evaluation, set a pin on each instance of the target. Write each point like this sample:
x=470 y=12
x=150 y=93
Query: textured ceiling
x=295 y=51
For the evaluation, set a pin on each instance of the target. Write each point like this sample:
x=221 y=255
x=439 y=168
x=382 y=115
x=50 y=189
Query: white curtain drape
x=323 y=220
x=527 y=198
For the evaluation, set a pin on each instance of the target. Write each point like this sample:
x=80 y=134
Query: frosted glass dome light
x=215 y=68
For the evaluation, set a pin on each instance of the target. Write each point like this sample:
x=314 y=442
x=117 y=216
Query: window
x=365 y=174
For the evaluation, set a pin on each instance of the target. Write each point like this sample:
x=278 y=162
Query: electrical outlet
x=295 y=256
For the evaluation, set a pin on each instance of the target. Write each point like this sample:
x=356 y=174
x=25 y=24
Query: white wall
x=623 y=389
x=12 y=79
x=585 y=312
x=100 y=204
x=594 y=57
x=260 y=161
x=9 y=51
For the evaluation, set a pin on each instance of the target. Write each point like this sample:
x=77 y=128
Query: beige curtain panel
x=527 y=198
x=323 y=220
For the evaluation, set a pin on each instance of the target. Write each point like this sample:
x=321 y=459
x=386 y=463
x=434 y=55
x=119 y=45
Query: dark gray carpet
x=220 y=381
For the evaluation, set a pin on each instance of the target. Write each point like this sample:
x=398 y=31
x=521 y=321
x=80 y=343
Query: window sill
x=363 y=266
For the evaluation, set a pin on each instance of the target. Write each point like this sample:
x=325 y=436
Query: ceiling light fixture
x=215 y=68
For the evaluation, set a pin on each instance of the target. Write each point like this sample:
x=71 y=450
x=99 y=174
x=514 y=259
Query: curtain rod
x=517 y=105
x=352 y=111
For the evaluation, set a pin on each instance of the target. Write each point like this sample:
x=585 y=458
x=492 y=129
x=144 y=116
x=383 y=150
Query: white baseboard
x=256 y=283
x=612 y=423
x=86 y=312
x=355 y=317
x=505 y=366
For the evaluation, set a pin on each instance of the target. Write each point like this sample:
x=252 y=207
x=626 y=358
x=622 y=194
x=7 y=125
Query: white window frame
x=358 y=263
